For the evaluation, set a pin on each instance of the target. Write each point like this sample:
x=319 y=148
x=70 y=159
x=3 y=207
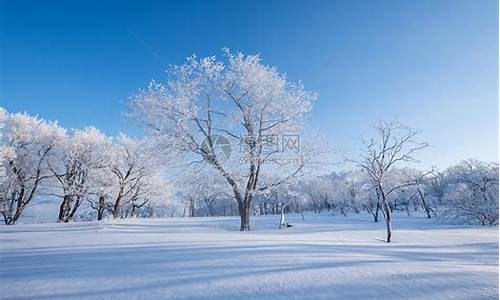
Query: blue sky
x=433 y=63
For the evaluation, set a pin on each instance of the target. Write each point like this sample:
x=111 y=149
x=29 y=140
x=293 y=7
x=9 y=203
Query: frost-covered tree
x=79 y=156
x=319 y=191
x=471 y=193
x=133 y=165
x=26 y=143
x=434 y=187
x=208 y=104
x=412 y=196
x=395 y=144
x=202 y=193
x=129 y=183
x=102 y=184
x=151 y=193
x=346 y=188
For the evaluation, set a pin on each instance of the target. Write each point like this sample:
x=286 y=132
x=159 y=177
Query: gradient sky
x=433 y=63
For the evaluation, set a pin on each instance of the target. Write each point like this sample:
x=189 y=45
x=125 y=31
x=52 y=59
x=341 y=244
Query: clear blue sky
x=434 y=63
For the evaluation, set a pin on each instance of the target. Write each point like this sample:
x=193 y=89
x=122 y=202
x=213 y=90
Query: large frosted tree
x=208 y=103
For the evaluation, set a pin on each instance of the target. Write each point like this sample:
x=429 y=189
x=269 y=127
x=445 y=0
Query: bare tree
x=395 y=144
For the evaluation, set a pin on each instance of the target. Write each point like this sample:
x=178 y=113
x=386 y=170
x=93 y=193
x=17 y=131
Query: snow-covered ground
x=323 y=257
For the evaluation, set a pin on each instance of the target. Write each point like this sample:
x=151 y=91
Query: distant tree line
x=463 y=194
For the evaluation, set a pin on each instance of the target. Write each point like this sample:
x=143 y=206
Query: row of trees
x=466 y=193
x=115 y=176
x=237 y=129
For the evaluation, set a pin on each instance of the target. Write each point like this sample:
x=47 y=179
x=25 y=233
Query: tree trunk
x=387 y=215
x=427 y=209
x=19 y=203
x=244 y=215
x=282 y=217
x=375 y=215
x=100 y=208
x=117 y=206
x=99 y=214
x=64 y=209
x=73 y=210
x=388 y=224
x=22 y=200
x=12 y=220
x=209 y=204
x=67 y=209
x=191 y=208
